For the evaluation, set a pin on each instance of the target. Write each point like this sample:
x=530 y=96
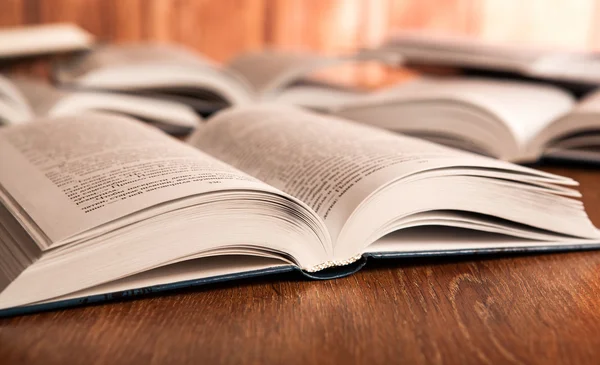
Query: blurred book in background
x=35 y=40
x=578 y=71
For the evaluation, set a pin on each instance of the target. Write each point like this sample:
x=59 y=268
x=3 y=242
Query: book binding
x=326 y=274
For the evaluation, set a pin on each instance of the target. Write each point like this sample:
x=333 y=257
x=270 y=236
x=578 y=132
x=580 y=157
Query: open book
x=96 y=205
x=175 y=73
x=42 y=39
x=486 y=116
x=576 y=70
x=23 y=99
x=512 y=120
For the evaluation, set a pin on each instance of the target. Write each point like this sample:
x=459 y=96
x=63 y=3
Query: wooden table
x=498 y=310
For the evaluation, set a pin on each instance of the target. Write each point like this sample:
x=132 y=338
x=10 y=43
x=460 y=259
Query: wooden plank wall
x=222 y=28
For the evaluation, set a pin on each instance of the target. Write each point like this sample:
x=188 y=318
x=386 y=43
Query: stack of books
x=278 y=171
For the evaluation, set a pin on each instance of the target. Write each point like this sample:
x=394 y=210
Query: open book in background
x=175 y=73
x=23 y=99
x=577 y=71
x=512 y=120
x=518 y=121
x=257 y=190
x=34 y=40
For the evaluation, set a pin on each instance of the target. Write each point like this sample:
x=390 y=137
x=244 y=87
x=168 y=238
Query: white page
x=117 y=198
x=13 y=106
x=271 y=71
x=320 y=97
x=438 y=49
x=575 y=132
x=95 y=168
x=47 y=100
x=39 y=95
x=40 y=39
x=11 y=94
x=494 y=100
x=570 y=66
x=137 y=54
x=152 y=66
x=453 y=50
x=331 y=164
x=9 y=114
x=424 y=241
x=503 y=99
x=589 y=104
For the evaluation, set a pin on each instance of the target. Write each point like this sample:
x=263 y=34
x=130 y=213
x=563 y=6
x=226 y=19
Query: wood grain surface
x=532 y=309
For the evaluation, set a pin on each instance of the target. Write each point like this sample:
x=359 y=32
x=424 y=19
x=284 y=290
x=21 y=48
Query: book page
x=503 y=99
x=77 y=173
x=11 y=114
x=152 y=66
x=471 y=108
x=47 y=100
x=40 y=96
x=136 y=54
x=329 y=163
x=575 y=136
x=10 y=93
x=320 y=97
x=452 y=50
x=589 y=104
x=13 y=106
x=438 y=49
x=271 y=71
x=574 y=66
x=365 y=182
x=428 y=241
x=498 y=102
x=41 y=39
x=8 y=114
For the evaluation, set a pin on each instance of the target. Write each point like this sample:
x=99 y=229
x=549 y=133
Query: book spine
x=140 y=292
x=337 y=269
